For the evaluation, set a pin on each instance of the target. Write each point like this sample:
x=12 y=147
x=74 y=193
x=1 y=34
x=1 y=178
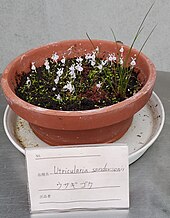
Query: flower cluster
x=77 y=67
x=86 y=78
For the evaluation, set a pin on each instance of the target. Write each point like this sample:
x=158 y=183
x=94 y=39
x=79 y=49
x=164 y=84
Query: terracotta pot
x=77 y=127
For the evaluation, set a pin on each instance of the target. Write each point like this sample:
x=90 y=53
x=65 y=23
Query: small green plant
x=81 y=83
x=84 y=82
x=124 y=71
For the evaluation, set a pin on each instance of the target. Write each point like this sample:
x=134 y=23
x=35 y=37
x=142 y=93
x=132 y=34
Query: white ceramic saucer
x=146 y=127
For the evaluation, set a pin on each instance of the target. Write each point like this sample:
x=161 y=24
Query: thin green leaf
x=146 y=40
x=139 y=31
x=114 y=36
x=90 y=40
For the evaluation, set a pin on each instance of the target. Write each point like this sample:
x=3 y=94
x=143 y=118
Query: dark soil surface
x=92 y=88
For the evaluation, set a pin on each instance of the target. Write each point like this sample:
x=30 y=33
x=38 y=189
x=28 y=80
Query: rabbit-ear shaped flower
x=69 y=87
x=72 y=71
x=79 y=67
x=97 y=49
x=58 y=97
x=98 y=85
x=57 y=80
x=79 y=59
x=92 y=63
x=100 y=66
x=93 y=56
x=72 y=68
x=72 y=74
x=55 y=57
x=33 y=67
x=121 y=61
x=133 y=62
x=121 y=49
x=63 y=60
x=104 y=62
x=28 y=81
x=112 y=57
x=47 y=64
x=87 y=56
x=60 y=72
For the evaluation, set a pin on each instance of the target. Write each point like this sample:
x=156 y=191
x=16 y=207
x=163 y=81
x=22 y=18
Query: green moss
x=93 y=87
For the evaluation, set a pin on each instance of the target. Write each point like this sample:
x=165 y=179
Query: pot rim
x=13 y=98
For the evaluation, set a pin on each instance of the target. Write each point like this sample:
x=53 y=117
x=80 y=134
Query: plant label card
x=85 y=177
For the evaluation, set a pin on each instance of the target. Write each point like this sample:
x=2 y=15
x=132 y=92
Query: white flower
x=97 y=49
x=92 y=62
x=28 y=82
x=93 y=56
x=112 y=57
x=133 y=62
x=80 y=59
x=55 y=57
x=60 y=72
x=58 y=97
x=98 y=85
x=72 y=74
x=54 y=88
x=33 y=67
x=72 y=71
x=121 y=61
x=103 y=62
x=72 y=68
x=57 y=80
x=63 y=60
x=69 y=87
x=87 y=56
x=121 y=49
x=79 y=67
x=100 y=67
x=47 y=65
